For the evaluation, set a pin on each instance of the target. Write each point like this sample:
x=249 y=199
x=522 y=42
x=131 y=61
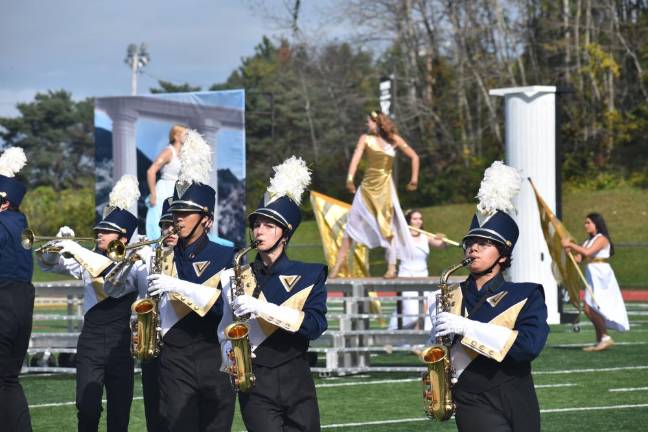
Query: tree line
x=311 y=97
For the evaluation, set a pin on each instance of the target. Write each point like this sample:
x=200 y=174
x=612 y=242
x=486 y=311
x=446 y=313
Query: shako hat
x=192 y=192
x=167 y=216
x=116 y=216
x=492 y=221
x=12 y=161
x=281 y=200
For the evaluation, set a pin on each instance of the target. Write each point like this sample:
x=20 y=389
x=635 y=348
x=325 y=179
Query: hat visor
x=487 y=234
x=187 y=206
x=109 y=226
x=166 y=218
x=270 y=214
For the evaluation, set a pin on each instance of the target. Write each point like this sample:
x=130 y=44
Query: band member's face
x=172 y=240
x=590 y=227
x=371 y=125
x=105 y=237
x=266 y=231
x=416 y=220
x=483 y=252
x=186 y=221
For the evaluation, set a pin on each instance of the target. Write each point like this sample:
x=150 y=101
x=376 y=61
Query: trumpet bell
x=116 y=250
x=27 y=238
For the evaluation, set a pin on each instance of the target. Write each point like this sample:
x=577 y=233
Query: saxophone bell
x=437 y=381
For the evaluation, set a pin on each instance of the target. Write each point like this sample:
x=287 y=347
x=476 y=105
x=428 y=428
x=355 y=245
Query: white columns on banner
x=530 y=131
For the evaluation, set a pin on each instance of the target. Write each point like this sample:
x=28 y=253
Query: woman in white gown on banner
x=376 y=218
x=168 y=163
x=606 y=309
x=416 y=267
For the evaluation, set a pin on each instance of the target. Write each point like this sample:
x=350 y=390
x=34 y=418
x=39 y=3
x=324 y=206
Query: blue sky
x=80 y=45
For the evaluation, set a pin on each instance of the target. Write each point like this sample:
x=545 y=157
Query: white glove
x=447 y=323
x=159 y=284
x=145 y=253
x=70 y=246
x=65 y=231
x=246 y=304
x=92 y=262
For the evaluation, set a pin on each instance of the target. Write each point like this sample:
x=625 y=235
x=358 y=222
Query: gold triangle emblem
x=182 y=187
x=200 y=266
x=493 y=300
x=289 y=282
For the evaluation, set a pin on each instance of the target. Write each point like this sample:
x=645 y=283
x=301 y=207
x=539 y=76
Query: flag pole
x=443 y=239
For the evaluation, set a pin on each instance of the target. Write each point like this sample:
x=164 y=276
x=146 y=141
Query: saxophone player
x=16 y=293
x=288 y=308
x=502 y=325
x=194 y=394
x=103 y=349
x=151 y=367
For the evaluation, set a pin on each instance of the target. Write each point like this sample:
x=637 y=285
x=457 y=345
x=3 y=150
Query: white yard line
x=57 y=404
x=419 y=419
x=357 y=383
x=569 y=345
x=568 y=371
x=628 y=389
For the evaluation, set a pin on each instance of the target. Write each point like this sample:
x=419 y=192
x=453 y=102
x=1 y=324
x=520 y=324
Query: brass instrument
x=117 y=250
x=240 y=355
x=437 y=381
x=146 y=339
x=28 y=238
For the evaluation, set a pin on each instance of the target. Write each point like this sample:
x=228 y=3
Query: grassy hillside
x=625 y=210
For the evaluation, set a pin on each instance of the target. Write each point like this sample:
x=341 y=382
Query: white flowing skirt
x=607 y=296
x=410 y=306
x=164 y=190
x=363 y=228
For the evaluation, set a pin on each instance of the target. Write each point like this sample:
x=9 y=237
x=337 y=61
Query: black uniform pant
x=283 y=399
x=511 y=407
x=194 y=394
x=16 y=310
x=104 y=359
x=151 y=389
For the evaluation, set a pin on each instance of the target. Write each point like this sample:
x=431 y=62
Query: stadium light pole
x=136 y=58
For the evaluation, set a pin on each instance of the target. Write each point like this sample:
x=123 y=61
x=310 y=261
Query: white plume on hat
x=195 y=159
x=291 y=179
x=12 y=161
x=125 y=193
x=499 y=187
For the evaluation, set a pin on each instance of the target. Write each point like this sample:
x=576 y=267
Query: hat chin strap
x=193 y=230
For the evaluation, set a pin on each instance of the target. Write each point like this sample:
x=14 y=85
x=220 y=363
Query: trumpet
x=28 y=238
x=117 y=250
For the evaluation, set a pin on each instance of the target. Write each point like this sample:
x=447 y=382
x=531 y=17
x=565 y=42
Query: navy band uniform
x=103 y=349
x=504 y=324
x=16 y=305
x=290 y=312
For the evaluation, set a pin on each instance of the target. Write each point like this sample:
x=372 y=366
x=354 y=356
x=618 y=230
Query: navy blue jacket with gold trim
x=16 y=263
x=300 y=286
x=519 y=307
x=198 y=263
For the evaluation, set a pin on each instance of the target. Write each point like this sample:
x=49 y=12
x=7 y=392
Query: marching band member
x=103 y=350
x=16 y=293
x=500 y=326
x=194 y=394
x=288 y=308
x=151 y=368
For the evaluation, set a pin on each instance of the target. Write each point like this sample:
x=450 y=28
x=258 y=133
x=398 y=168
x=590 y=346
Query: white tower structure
x=530 y=140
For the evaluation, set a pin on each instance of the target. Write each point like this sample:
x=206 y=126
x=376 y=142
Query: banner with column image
x=131 y=131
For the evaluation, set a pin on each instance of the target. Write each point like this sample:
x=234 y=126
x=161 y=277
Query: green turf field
x=578 y=391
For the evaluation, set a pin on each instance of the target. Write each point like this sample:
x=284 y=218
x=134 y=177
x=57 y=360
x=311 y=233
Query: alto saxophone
x=437 y=381
x=240 y=355
x=146 y=339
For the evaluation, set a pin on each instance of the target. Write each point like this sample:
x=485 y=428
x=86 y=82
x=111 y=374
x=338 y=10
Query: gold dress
x=376 y=218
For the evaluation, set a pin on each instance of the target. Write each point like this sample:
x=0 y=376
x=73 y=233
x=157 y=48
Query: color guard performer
x=500 y=326
x=103 y=350
x=195 y=395
x=288 y=308
x=16 y=294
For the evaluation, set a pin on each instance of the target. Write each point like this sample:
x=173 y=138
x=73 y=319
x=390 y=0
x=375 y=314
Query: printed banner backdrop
x=131 y=131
